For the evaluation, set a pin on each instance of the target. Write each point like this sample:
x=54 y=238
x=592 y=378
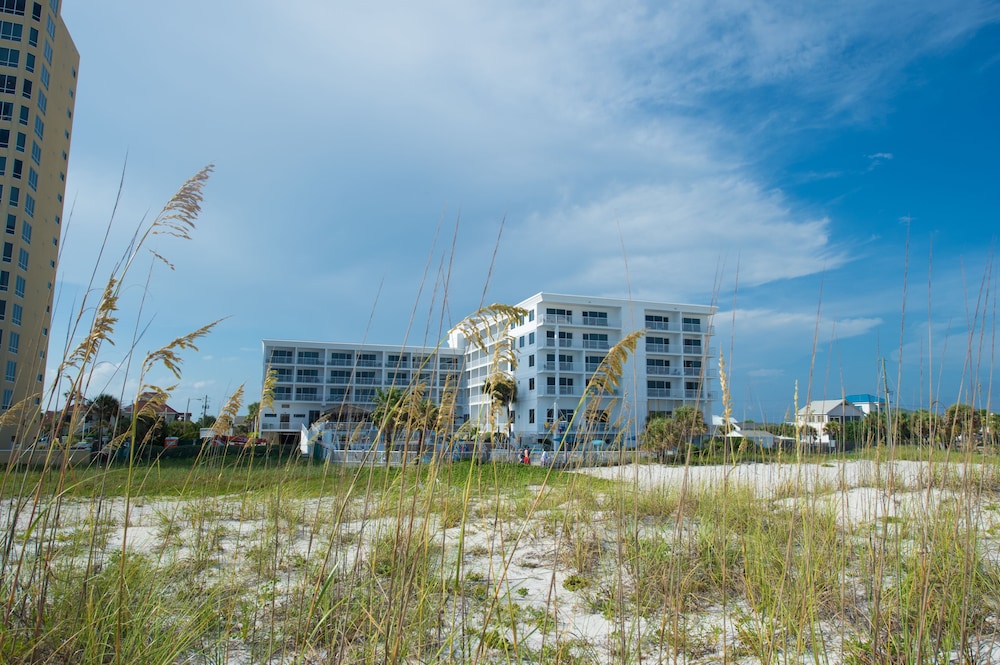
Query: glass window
x=26 y=87
x=43 y=102
x=4 y=138
x=50 y=26
x=45 y=76
x=33 y=179
x=29 y=62
x=36 y=11
x=6 y=111
x=36 y=153
x=23 y=115
x=39 y=127
x=15 y=7
x=11 y=372
x=15 y=314
x=8 y=397
x=18 y=169
x=4 y=280
x=22 y=259
x=26 y=232
x=47 y=52
x=54 y=6
x=11 y=31
x=33 y=36
x=8 y=252
x=11 y=223
x=19 y=285
x=8 y=84
x=15 y=196
x=22 y=140
x=10 y=57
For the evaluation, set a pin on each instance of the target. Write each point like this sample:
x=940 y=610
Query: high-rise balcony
x=565 y=367
x=550 y=319
x=595 y=321
x=659 y=393
x=596 y=344
x=657 y=348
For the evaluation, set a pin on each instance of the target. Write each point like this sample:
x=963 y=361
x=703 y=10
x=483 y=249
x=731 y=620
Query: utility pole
x=204 y=407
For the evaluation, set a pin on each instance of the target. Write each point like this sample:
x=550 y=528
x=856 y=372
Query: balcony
x=693 y=371
x=659 y=325
x=567 y=390
x=657 y=348
x=309 y=360
x=308 y=379
x=659 y=393
x=657 y=370
x=551 y=319
x=698 y=328
x=565 y=367
x=595 y=321
x=369 y=363
x=341 y=362
x=548 y=367
x=397 y=364
x=550 y=390
x=591 y=367
x=366 y=381
x=596 y=344
x=339 y=380
x=282 y=360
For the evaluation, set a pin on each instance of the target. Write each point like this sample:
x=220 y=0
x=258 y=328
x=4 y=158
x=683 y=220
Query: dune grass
x=886 y=555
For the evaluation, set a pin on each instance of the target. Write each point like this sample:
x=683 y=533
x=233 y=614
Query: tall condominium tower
x=38 y=70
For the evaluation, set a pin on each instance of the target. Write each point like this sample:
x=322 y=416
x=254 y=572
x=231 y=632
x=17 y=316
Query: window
x=43 y=102
x=26 y=232
x=11 y=372
x=29 y=205
x=22 y=259
x=6 y=111
x=14 y=343
x=18 y=169
x=10 y=31
x=15 y=7
x=8 y=397
x=531 y=416
x=45 y=77
x=15 y=196
x=36 y=153
x=19 y=286
x=47 y=52
x=10 y=57
x=54 y=6
x=8 y=84
x=4 y=280
x=531 y=338
x=11 y=223
x=36 y=12
x=4 y=138
x=26 y=86
x=531 y=360
x=3 y=309
x=33 y=36
x=531 y=383
x=33 y=179
x=22 y=140
x=29 y=62
x=24 y=114
x=8 y=252
x=50 y=26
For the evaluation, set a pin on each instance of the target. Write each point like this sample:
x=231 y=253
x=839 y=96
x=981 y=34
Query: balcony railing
x=563 y=342
x=596 y=344
x=591 y=367
x=657 y=348
x=369 y=363
x=692 y=371
x=567 y=390
x=397 y=364
x=659 y=325
x=550 y=390
x=282 y=360
x=565 y=367
x=366 y=381
x=550 y=319
x=658 y=370
x=595 y=321
x=341 y=362
x=698 y=328
x=658 y=393
x=548 y=367
x=309 y=360
x=308 y=379
x=339 y=380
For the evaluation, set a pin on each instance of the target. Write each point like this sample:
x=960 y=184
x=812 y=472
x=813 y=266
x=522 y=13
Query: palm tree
x=106 y=409
x=388 y=415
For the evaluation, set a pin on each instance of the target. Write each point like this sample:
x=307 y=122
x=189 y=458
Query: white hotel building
x=558 y=344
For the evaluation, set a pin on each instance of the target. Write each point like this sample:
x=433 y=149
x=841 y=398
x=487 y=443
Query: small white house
x=816 y=414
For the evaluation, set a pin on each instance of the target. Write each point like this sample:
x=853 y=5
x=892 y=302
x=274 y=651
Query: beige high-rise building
x=38 y=74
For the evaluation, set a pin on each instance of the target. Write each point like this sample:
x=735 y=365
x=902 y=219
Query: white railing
x=657 y=348
x=309 y=360
x=565 y=367
x=595 y=321
x=658 y=393
x=595 y=344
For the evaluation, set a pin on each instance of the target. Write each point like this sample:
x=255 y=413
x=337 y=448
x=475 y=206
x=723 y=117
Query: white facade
x=557 y=346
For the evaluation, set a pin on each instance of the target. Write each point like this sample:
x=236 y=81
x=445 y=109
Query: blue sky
x=825 y=172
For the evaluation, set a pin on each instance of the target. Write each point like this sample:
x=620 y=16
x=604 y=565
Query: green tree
x=961 y=424
x=660 y=437
x=389 y=416
x=106 y=411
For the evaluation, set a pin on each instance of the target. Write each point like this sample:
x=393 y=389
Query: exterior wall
x=36 y=118
x=558 y=346
x=315 y=377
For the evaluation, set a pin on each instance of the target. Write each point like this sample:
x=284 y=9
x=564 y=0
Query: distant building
x=38 y=79
x=559 y=345
x=164 y=412
x=816 y=414
x=867 y=403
